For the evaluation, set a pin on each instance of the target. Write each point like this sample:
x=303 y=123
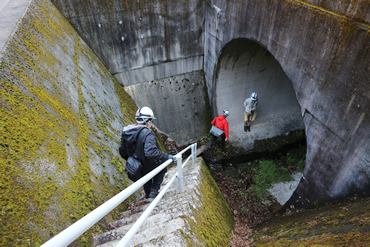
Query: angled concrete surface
x=11 y=12
x=55 y=94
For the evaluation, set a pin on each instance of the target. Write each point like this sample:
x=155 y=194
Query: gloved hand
x=172 y=158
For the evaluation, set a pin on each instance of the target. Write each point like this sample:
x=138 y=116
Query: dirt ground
x=248 y=212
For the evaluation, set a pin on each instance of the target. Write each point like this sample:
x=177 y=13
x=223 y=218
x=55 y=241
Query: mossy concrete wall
x=213 y=220
x=147 y=42
x=324 y=50
x=61 y=116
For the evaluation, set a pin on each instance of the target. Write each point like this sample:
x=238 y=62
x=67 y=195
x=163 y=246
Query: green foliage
x=266 y=174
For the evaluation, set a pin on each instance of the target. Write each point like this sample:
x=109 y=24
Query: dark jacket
x=152 y=156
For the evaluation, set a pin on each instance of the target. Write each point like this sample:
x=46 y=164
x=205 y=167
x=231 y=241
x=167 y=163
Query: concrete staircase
x=168 y=223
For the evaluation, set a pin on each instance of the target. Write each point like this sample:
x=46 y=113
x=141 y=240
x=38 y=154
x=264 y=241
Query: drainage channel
x=255 y=155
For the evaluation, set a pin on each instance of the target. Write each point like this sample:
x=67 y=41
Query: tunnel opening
x=244 y=67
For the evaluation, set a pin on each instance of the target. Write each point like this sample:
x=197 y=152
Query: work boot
x=248 y=128
x=153 y=194
x=245 y=128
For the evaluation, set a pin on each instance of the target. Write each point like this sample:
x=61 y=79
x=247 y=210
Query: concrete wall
x=356 y=10
x=181 y=99
x=141 y=42
x=61 y=114
x=325 y=55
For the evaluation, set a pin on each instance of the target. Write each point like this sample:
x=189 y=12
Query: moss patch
x=214 y=221
x=337 y=224
x=128 y=106
x=206 y=114
x=57 y=142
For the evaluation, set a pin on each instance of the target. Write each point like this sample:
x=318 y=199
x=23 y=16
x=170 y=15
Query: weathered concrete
x=282 y=191
x=172 y=221
x=178 y=105
x=356 y=10
x=60 y=123
x=10 y=13
x=326 y=57
x=150 y=41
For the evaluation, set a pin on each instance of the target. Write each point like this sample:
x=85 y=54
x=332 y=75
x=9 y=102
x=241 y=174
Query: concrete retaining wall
x=150 y=41
x=61 y=116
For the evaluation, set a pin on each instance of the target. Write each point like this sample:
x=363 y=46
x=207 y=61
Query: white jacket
x=250 y=105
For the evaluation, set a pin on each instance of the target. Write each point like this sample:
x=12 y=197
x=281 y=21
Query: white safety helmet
x=144 y=114
x=225 y=113
x=254 y=96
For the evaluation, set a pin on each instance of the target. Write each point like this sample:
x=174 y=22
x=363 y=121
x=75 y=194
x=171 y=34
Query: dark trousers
x=213 y=139
x=154 y=183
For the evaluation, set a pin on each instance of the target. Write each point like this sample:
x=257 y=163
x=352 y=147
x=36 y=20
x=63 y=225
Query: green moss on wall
x=337 y=224
x=207 y=112
x=214 y=221
x=128 y=106
x=50 y=139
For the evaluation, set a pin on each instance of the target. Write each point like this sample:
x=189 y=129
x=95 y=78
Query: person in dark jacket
x=221 y=123
x=152 y=156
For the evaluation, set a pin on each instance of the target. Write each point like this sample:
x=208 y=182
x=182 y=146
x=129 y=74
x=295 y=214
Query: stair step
x=163 y=205
x=155 y=226
x=172 y=239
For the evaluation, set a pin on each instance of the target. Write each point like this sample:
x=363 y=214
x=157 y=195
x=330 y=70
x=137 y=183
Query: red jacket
x=222 y=124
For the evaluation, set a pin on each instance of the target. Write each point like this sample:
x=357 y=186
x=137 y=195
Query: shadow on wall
x=245 y=67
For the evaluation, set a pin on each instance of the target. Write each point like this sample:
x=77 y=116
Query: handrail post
x=193 y=153
x=179 y=172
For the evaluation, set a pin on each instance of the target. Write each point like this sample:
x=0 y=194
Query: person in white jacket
x=250 y=106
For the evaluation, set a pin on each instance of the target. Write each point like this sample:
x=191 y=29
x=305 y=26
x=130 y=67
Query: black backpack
x=134 y=167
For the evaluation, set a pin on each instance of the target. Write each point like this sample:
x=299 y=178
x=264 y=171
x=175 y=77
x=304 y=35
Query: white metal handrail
x=68 y=235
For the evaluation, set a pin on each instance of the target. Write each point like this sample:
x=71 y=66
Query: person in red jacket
x=221 y=123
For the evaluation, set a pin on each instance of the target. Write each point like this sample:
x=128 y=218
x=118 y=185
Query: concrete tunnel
x=244 y=66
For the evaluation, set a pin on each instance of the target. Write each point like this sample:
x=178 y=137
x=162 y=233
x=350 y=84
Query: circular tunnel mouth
x=244 y=67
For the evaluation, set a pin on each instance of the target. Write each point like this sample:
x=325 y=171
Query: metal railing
x=68 y=235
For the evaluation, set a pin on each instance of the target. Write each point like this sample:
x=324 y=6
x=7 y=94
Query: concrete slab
x=148 y=234
x=11 y=11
